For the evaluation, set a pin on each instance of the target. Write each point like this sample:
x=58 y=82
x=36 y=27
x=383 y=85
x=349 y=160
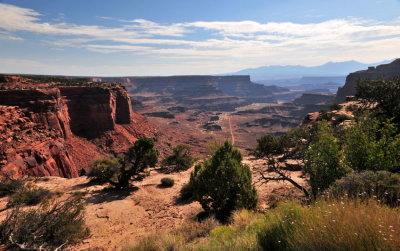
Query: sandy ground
x=118 y=219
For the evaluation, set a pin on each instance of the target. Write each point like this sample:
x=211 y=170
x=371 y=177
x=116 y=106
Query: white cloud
x=8 y=36
x=235 y=44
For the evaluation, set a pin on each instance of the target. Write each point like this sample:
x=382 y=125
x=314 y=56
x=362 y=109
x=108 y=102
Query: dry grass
x=332 y=225
x=324 y=225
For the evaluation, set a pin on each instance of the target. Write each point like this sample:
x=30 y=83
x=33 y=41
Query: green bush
x=103 y=170
x=223 y=184
x=167 y=182
x=186 y=192
x=382 y=185
x=46 y=227
x=132 y=165
x=29 y=195
x=383 y=95
x=9 y=186
x=180 y=160
x=372 y=145
x=323 y=160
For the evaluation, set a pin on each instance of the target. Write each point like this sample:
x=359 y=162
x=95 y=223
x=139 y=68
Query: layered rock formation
x=385 y=71
x=58 y=131
x=235 y=90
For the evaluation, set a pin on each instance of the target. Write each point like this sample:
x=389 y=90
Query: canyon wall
x=385 y=71
x=59 y=131
x=200 y=86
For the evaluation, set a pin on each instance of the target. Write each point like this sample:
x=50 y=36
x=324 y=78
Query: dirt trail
x=231 y=131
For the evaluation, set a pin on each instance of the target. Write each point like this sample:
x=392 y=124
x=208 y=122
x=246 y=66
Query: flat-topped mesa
x=385 y=71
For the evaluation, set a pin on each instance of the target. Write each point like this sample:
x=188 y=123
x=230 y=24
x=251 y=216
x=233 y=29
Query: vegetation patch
x=324 y=225
x=223 y=184
x=382 y=185
x=130 y=166
x=46 y=227
x=180 y=160
x=9 y=186
x=29 y=195
x=167 y=182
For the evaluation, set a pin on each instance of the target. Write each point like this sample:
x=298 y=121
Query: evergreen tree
x=223 y=184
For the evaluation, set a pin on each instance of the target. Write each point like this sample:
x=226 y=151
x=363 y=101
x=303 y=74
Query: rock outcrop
x=385 y=71
x=58 y=131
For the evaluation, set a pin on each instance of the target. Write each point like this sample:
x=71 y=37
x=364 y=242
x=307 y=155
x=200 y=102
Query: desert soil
x=118 y=219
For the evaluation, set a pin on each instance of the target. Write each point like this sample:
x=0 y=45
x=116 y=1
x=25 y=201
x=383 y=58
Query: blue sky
x=121 y=37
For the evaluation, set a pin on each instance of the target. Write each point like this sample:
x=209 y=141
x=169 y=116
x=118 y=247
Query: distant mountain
x=299 y=71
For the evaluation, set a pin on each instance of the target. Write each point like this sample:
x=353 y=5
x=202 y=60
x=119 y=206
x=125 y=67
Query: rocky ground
x=119 y=219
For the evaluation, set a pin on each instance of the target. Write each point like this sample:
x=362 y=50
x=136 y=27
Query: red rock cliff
x=59 y=131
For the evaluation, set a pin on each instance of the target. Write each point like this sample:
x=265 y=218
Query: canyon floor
x=197 y=128
x=118 y=219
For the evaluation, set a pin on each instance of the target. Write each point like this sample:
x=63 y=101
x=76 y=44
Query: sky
x=181 y=37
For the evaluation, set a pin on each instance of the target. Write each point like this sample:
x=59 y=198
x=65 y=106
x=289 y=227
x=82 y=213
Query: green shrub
x=132 y=165
x=8 y=186
x=372 y=145
x=223 y=184
x=29 y=195
x=180 y=160
x=382 y=185
x=167 y=182
x=103 y=170
x=383 y=94
x=45 y=227
x=186 y=192
x=323 y=160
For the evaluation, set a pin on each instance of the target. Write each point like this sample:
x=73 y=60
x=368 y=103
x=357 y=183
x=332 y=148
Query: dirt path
x=230 y=129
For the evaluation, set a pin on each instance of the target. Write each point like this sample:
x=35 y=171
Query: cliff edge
x=58 y=129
